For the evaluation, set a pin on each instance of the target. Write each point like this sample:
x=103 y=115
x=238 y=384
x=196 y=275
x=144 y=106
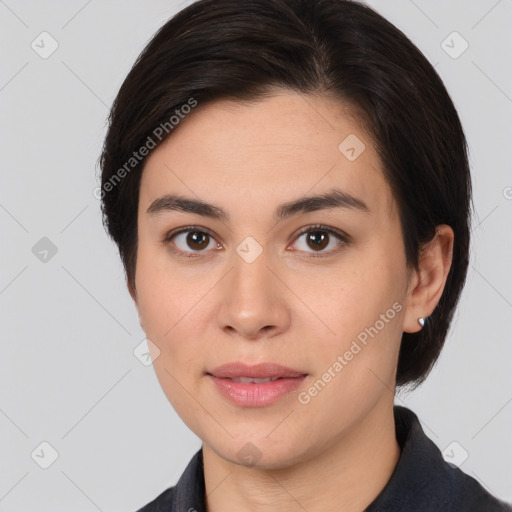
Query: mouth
x=253 y=380
x=260 y=373
x=255 y=386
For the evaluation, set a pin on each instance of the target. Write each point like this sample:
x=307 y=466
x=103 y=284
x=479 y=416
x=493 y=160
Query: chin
x=261 y=453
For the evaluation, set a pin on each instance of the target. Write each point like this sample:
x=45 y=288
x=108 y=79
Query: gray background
x=68 y=375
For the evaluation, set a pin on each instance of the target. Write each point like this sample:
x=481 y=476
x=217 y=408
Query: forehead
x=277 y=148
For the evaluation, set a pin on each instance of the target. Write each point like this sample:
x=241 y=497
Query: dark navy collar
x=422 y=480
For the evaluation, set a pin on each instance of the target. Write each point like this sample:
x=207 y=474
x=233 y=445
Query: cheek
x=171 y=302
x=161 y=296
x=362 y=304
x=166 y=306
x=352 y=298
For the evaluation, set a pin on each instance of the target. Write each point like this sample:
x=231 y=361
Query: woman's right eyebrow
x=334 y=198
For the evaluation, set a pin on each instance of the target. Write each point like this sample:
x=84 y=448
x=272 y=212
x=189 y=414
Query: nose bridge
x=251 y=298
x=251 y=276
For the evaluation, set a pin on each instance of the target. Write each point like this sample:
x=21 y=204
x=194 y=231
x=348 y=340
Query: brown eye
x=197 y=240
x=316 y=239
x=189 y=241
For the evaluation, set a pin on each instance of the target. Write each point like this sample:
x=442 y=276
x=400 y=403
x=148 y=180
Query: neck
x=346 y=475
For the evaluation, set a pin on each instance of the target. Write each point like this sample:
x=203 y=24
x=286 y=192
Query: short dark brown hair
x=241 y=50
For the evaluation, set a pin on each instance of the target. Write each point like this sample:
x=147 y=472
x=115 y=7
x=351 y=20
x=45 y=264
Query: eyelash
x=343 y=237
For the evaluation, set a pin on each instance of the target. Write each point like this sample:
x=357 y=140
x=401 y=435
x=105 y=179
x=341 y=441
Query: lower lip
x=252 y=394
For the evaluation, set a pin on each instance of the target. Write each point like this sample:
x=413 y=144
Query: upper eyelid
x=321 y=227
x=185 y=229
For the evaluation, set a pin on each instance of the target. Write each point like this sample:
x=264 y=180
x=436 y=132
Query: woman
x=288 y=185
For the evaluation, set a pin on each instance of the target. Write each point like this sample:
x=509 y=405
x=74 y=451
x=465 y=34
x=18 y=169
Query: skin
x=338 y=451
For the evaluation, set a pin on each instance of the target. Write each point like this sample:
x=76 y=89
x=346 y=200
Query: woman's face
x=262 y=284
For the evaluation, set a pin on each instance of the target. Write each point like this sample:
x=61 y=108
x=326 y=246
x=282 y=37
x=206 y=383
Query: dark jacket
x=422 y=481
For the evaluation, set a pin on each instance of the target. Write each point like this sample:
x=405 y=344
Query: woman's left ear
x=427 y=283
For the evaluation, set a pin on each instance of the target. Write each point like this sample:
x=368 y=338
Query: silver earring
x=421 y=321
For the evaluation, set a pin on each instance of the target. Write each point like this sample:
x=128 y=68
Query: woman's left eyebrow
x=334 y=198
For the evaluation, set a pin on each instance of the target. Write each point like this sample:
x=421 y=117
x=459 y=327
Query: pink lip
x=262 y=370
x=253 y=394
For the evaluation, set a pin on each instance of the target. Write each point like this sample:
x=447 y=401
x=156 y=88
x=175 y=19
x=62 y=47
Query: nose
x=252 y=300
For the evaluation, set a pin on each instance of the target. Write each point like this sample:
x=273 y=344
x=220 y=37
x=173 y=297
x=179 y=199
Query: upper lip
x=262 y=370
